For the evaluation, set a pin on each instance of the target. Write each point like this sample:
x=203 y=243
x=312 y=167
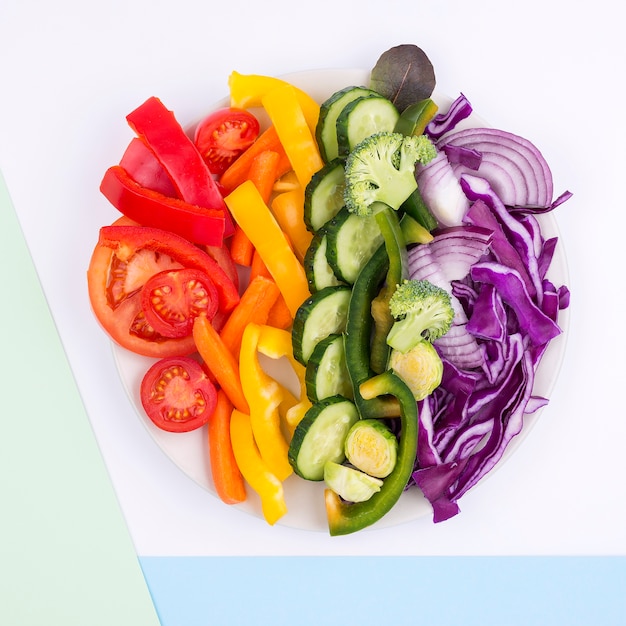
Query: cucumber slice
x=318 y=272
x=323 y=197
x=326 y=372
x=326 y=130
x=352 y=240
x=319 y=437
x=319 y=316
x=364 y=117
x=350 y=483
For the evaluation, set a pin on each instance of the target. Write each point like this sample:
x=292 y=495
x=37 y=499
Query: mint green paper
x=66 y=556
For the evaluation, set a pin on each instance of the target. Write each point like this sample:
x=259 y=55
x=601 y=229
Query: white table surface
x=551 y=71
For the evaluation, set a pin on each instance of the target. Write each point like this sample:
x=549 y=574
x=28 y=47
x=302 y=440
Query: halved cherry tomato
x=177 y=395
x=223 y=135
x=123 y=260
x=172 y=299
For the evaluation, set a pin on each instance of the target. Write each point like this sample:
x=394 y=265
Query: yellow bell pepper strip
x=285 y=112
x=264 y=396
x=275 y=343
x=288 y=209
x=257 y=221
x=247 y=90
x=255 y=470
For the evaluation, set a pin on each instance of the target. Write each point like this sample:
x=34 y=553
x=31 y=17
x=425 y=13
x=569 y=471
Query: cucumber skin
x=345 y=143
x=305 y=427
x=319 y=273
x=302 y=317
x=336 y=247
x=327 y=122
x=343 y=385
x=313 y=218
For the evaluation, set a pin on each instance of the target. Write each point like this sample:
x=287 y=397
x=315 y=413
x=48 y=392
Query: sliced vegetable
x=264 y=395
x=351 y=241
x=420 y=368
x=177 y=395
x=255 y=218
x=364 y=116
x=287 y=208
x=248 y=90
x=144 y=168
x=255 y=470
x=275 y=343
x=326 y=371
x=323 y=197
x=349 y=483
x=223 y=135
x=158 y=127
x=318 y=271
x=151 y=208
x=220 y=361
x=254 y=306
x=345 y=518
x=172 y=299
x=415 y=117
x=371 y=447
x=326 y=129
x=124 y=259
x=237 y=173
x=288 y=118
x=320 y=436
x=322 y=314
x=227 y=479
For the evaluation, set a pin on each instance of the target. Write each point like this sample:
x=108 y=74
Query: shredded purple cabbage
x=507 y=314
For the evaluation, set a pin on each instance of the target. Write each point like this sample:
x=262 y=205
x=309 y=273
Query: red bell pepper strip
x=127 y=240
x=144 y=168
x=158 y=128
x=151 y=208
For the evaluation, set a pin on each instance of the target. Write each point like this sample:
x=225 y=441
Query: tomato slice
x=177 y=395
x=172 y=299
x=223 y=135
x=124 y=259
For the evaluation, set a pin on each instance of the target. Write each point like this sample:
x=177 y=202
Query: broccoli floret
x=422 y=311
x=381 y=168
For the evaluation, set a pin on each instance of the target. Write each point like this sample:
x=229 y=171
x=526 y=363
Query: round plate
x=305 y=500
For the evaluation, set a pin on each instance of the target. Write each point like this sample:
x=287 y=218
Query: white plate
x=305 y=501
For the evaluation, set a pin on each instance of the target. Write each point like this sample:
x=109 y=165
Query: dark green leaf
x=404 y=75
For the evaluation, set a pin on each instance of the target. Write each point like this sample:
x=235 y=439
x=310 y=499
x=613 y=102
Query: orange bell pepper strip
x=255 y=470
x=264 y=396
x=255 y=304
x=220 y=361
x=285 y=112
x=275 y=343
x=247 y=90
x=239 y=169
x=257 y=221
x=288 y=209
x=227 y=479
x=279 y=315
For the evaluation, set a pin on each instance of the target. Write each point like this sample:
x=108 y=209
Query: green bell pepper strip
x=414 y=119
x=358 y=332
x=344 y=517
x=397 y=271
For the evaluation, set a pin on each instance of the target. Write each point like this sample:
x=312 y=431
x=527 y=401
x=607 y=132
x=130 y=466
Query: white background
x=550 y=71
